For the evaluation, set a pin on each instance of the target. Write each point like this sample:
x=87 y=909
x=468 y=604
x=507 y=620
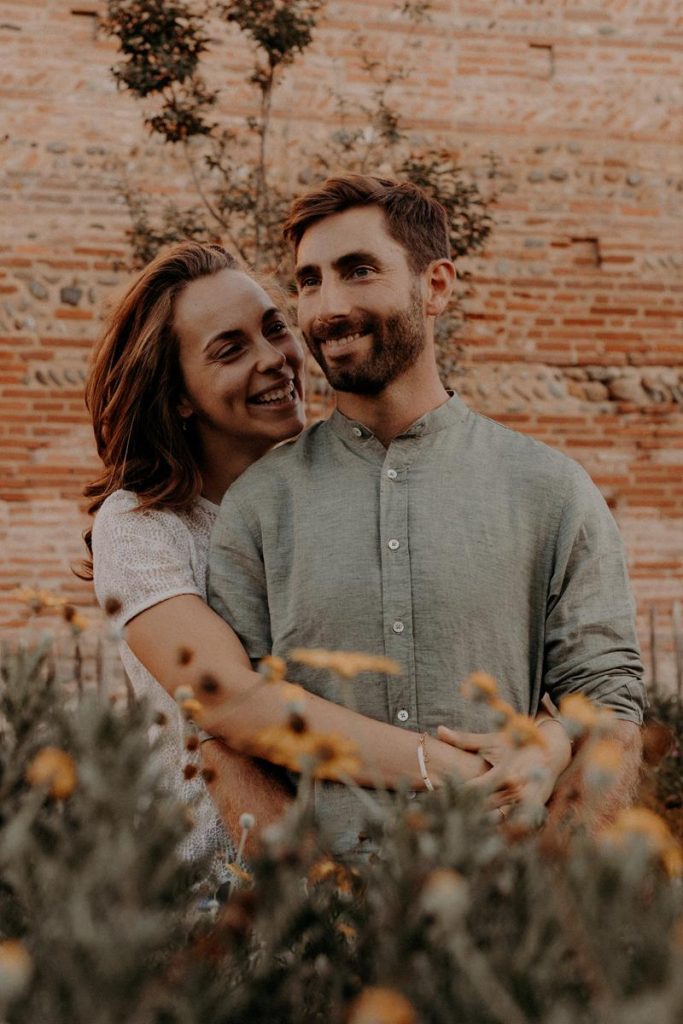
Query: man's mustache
x=340 y=329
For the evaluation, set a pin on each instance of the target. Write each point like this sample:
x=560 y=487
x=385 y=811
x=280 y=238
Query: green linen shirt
x=462 y=546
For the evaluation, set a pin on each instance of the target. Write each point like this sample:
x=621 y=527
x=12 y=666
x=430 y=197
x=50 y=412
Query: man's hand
x=517 y=774
x=245 y=784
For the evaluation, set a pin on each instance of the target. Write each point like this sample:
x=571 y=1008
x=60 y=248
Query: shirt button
x=357 y=432
x=398 y=627
x=392 y=474
x=393 y=545
x=403 y=715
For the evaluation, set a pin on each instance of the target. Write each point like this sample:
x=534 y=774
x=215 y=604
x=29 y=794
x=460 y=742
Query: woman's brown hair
x=135 y=386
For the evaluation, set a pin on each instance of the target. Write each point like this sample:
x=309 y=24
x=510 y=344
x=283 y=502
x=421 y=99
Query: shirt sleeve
x=237 y=580
x=590 y=638
x=140 y=558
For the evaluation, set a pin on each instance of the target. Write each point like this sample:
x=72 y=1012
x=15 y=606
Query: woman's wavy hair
x=135 y=386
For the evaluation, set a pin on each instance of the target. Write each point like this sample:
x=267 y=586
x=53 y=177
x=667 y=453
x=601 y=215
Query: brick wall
x=575 y=313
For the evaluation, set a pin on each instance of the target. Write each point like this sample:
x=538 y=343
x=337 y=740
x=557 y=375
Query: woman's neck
x=221 y=463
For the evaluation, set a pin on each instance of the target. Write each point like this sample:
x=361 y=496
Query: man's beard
x=397 y=342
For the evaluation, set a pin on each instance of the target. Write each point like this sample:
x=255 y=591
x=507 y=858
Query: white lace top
x=142 y=558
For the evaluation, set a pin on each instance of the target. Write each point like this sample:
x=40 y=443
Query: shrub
x=101 y=921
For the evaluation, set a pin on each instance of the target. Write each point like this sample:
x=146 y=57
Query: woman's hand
x=517 y=774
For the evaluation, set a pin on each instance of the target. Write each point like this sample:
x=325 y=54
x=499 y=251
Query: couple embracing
x=405 y=525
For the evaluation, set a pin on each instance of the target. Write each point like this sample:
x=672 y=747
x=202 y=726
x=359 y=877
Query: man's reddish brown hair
x=414 y=220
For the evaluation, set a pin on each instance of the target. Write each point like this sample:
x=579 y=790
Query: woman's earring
x=183 y=424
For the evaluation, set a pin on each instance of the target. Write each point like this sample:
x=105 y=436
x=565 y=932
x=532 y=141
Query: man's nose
x=333 y=300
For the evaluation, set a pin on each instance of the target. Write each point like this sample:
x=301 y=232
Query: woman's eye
x=229 y=352
x=278 y=327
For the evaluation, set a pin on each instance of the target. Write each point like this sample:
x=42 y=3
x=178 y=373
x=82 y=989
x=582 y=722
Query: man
x=410 y=526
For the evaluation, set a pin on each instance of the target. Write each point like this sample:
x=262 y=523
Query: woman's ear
x=185 y=410
x=440 y=280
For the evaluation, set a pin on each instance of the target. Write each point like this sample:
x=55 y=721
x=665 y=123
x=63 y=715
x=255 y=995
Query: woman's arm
x=245 y=705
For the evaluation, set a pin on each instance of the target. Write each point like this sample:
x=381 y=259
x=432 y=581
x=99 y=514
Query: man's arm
x=591 y=649
x=588 y=797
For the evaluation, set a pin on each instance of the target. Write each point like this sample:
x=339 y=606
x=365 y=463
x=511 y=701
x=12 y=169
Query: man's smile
x=340 y=346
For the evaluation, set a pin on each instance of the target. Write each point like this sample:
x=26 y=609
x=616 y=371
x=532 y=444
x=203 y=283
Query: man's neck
x=403 y=402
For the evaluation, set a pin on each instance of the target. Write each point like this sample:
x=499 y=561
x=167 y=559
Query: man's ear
x=440 y=281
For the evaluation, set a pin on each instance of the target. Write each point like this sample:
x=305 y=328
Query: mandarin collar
x=452 y=411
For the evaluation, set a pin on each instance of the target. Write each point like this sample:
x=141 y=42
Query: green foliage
x=162 y=42
x=91 y=882
x=279 y=30
x=466 y=922
x=244 y=193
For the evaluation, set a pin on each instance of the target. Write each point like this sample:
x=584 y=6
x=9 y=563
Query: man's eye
x=360 y=272
x=307 y=282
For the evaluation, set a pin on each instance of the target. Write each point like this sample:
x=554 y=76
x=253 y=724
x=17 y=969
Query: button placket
x=396 y=580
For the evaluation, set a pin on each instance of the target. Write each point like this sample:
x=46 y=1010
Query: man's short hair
x=414 y=220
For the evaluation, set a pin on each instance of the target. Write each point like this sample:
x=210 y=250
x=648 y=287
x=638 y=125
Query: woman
x=197 y=376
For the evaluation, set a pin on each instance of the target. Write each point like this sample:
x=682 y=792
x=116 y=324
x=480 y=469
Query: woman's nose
x=270 y=358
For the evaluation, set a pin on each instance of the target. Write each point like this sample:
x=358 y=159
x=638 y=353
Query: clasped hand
x=517 y=774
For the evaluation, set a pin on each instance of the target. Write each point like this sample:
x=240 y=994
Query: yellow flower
x=192 y=709
x=272 y=668
x=324 y=870
x=346 y=664
x=237 y=872
x=38 y=600
x=347 y=930
x=54 y=768
x=292 y=744
x=579 y=710
x=522 y=731
x=335 y=757
x=294 y=695
x=444 y=893
x=479 y=686
x=76 y=621
x=16 y=968
x=643 y=823
x=382 y=1006
x=605 y=756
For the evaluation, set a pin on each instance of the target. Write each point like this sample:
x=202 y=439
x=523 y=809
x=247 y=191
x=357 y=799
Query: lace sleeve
x=140 y=558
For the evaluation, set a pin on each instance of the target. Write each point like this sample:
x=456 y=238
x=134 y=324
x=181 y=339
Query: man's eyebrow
x=353 y=259
x=305 y=271
x=342 y=263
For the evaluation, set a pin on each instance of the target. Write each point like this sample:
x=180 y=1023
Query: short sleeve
x=590 y=638
x=140 y=557
x=237 y=580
